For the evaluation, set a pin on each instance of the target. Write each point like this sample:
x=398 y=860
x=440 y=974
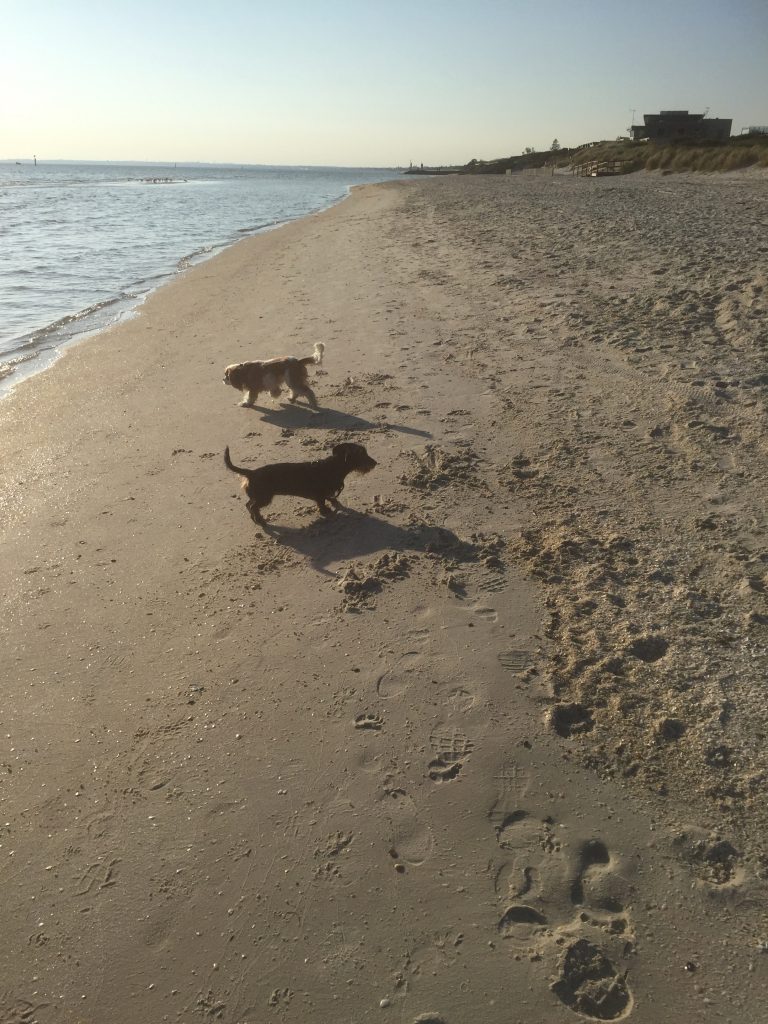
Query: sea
x=82 y=244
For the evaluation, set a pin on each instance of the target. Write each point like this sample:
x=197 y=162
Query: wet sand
x=487 y=746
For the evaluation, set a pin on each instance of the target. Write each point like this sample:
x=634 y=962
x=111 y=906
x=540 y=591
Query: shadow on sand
x=299 y=417
x=352 y=534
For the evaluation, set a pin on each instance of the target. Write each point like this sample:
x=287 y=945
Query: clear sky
x=366 y=83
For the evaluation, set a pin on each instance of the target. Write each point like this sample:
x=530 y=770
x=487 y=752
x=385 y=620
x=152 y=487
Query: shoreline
x=373 y=768
x=130 y=306
x=41 y=348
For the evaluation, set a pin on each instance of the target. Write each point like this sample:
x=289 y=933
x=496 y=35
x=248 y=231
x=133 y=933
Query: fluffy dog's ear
x=232 y=374
x=342 y=450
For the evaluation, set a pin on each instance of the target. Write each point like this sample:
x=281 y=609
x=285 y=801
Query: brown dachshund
x=321 y=481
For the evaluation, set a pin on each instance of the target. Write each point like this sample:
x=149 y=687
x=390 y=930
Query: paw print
x=369 y=721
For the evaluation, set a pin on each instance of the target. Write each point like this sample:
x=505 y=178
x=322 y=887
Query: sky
x=375 y=84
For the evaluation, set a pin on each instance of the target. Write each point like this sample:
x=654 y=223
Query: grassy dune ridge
x=736 y=154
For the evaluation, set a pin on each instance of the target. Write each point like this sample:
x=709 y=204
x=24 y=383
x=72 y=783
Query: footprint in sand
x=567 y=903
x=590 y=985
x=452 y=748
x=461 y=699
x=524 y=840
x=97 y=876
x=513 y=784
x=411 y=841
x=483 y=612
x=713 y=859
x=421 y=635
x=99 y=824
x=515 y=660
x=595 y=883
x=569 y=718
x=492 y=580
x=522 y=924
x=519 y=831
x=16 y=1008
x=396 y=680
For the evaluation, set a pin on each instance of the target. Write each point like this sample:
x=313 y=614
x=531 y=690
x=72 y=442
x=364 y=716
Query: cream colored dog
x=272 y=375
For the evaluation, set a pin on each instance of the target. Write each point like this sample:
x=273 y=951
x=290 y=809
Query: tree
x=555 y=146
x=529 y=149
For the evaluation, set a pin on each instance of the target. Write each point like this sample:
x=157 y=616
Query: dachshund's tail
x=316 y=357
x=230 y=465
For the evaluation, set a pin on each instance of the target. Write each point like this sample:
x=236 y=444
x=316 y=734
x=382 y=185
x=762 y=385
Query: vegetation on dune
x=529 y=160
x=739 y=152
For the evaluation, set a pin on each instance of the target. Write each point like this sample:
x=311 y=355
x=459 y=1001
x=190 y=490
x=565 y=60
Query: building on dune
x=680 y=126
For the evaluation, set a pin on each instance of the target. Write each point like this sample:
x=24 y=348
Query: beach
x=488 y=745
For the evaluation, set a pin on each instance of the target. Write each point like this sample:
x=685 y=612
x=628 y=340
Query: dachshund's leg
x=255 y=505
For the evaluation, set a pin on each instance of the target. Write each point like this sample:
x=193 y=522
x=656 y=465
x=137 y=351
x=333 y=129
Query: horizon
x=341 y=86
x=35 y=161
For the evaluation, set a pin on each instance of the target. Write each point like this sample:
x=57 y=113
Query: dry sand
x=487 y=747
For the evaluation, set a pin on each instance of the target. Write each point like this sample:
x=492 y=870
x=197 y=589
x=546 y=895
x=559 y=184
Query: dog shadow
x=351 y=534
x=299 y=417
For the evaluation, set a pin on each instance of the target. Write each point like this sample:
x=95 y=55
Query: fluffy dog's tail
x=317 y=357
x=229 y=464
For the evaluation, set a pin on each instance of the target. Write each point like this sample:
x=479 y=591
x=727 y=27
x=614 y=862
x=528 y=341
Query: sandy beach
x=489 y=745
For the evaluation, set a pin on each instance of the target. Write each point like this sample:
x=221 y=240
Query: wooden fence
x=598 y=168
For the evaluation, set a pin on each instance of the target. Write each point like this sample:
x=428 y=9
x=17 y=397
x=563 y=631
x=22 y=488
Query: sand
x=489 y=746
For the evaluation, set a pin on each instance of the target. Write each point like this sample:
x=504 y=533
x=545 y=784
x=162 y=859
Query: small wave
x=256 y=227
x=191 y=258
x=12 y=365
x=74 y=318
x=144 y=284
x=27 y=346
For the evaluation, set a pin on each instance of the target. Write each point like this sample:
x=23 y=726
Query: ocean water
x=82 y=244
